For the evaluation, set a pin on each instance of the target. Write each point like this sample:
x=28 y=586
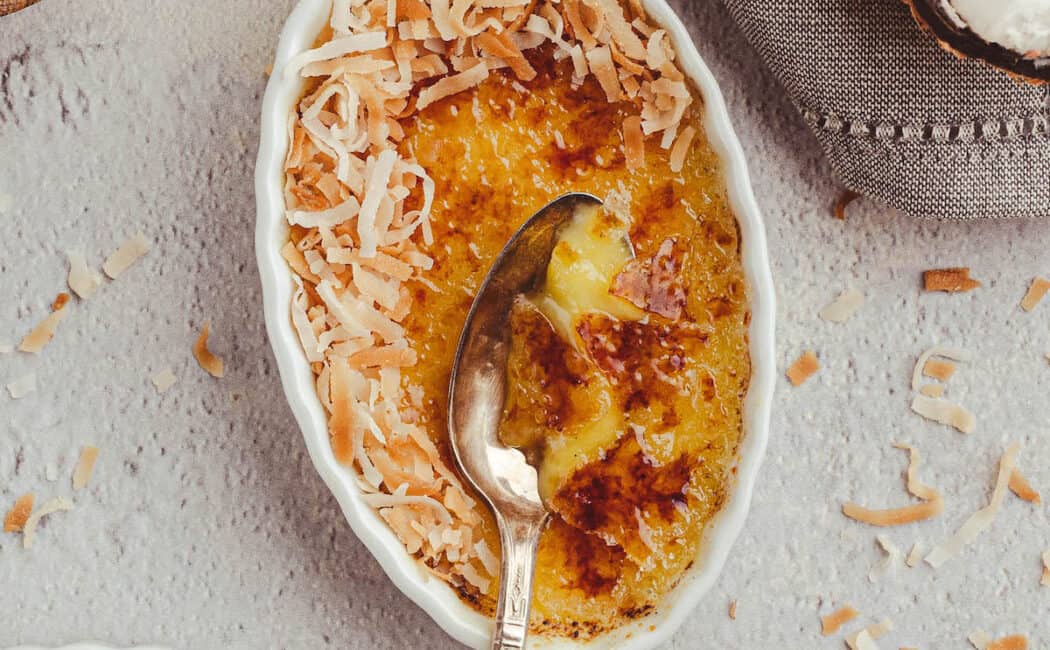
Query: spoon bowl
x=477 y=390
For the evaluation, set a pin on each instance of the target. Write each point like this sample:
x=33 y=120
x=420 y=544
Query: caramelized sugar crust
x=627 y=524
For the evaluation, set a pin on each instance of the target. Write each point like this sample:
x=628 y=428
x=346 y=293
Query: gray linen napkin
x=900 y=119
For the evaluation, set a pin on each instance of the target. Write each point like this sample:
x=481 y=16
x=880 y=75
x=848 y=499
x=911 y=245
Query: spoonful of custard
x=561 y=262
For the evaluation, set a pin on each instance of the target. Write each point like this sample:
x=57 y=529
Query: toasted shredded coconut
x=1035 y=294
x=164 y=380
x=804 y=367
x=939 y=369
x=54 y=505
x=932 y=390
x=633 y=143
x=979 y=521
x=51 y=472
x=888 y=563
x=953 y=280
x=128 y=253
x=6 y=348
x=681 y=148
x=843 y=307
x=915 y=555
x=864 y=639
x=212 y=364
x=85 y=467
x=1012 y=642
x=16 y=517
x=732 y=610
x=23 y=386
x=944 y=412
x=42 y=334
x=1020 y=486
x=978 y=639
x=1045 y=581
x=936 y=351
x=831 y=623
x=82 y=280
x=932 y=505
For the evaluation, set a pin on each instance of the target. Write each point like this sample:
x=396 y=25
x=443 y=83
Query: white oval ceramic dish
x=430 y=593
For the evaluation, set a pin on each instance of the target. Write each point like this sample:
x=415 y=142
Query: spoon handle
x=519 y=537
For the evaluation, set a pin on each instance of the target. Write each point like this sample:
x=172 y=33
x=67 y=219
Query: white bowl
x=430 y=593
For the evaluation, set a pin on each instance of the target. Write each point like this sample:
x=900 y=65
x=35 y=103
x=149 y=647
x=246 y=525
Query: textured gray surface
x=206 y=526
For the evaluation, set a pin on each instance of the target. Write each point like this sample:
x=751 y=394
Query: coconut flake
x=932 y=505
x=82 y=280
x=211 y=364
x=937 y=351
x=54 y=505
x=16 y=517
x=364 y=42
x=865 y=639
x=42 y=334
x=681 y=148
x=23 y=386
x=842 y=308
x=944 y=412
x=1045 y=581
x=831 y=623
x=978 y=639
x=804 y=367
x=1035 y=294
x=452 y=85
x=1020 y=486
x=980 y=520
x=128 y=253
x=6 y=348
x=915 y=555
x=164 y=380
x=888 y=563
x=85 y=467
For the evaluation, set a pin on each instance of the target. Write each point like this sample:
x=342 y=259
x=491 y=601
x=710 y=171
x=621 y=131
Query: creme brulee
x=427 y=132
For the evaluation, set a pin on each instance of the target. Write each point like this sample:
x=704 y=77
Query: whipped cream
x=1020 y=25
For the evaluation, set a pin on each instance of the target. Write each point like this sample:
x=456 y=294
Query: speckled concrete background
x=206 y=526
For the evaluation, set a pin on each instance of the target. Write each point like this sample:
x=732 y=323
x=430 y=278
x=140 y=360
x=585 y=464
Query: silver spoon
x=477 y=390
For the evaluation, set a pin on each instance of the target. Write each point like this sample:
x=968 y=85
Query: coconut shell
x=955 y=37
x=11 y=6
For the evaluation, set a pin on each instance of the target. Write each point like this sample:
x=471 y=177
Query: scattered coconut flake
x=1035 y=294
x=633 y=142
x=16 y=517
x=42 y=334
x=1020 y=486
x=82 y=280
x=979 y=639
x=1045 y=581
x=51 y=472
x=1012 y=642
x=85 y=467
x=452 y=85
x=831 y=623
x=804 y=367
x=19 y=388
x=954 y=354
x=932 y=390
x=212 y=364
x=681 y=149
x=6 y=348
x=915 y=556
x=842 y=308
x=128 y=253
x=931 y=506
x=939 y=369
x=732 y=610
x=979 y=521
x=164 y=380
x=841 y=203
x=54 y=505
x=944 y=412
x=953 y=280
x=864 y=639
x=888 y=563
